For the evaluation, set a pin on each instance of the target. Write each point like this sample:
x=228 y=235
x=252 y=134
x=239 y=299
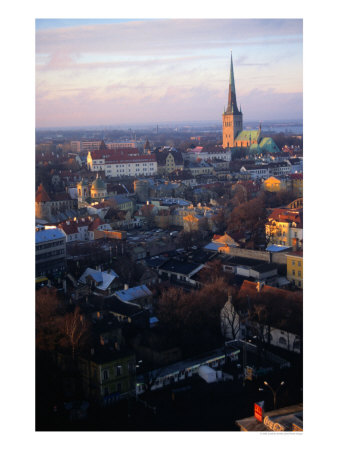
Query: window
x=282 y=341
x=293 y=272
x=119 y=387
x=118 y=370
x=105 y=374
x=296 y=345
x=299 y=273
x=299 y=283
x=106 y=391
x=293 y=263
x=298 y=263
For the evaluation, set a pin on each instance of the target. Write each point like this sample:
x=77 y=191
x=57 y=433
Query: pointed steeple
x=103 y=145
x=146 y=145
x=232 y=104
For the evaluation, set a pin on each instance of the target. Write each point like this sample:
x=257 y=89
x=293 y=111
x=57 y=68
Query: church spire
x=232 y=104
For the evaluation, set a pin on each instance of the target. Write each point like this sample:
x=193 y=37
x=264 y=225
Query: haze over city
x=116 y=72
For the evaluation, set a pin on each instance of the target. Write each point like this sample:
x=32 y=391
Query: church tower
x=232 y=117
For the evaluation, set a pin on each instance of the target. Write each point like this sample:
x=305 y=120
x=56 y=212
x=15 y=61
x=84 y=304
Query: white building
x=280 y=168
x=256 y=171
x=122 y=162
x=206 y=155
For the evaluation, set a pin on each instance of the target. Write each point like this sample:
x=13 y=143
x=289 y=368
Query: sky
x=92 y=72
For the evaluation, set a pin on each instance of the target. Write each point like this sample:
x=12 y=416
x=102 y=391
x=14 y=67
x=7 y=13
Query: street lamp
x=274 y=391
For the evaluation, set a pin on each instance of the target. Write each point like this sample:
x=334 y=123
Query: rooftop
x=134 y=293
x=103 y=278
x=185 y=268
x=48 y=235
x=120 y=307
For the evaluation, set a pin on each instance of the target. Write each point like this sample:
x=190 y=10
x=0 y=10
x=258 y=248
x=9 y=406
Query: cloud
x=158 y=36
x=168 y=69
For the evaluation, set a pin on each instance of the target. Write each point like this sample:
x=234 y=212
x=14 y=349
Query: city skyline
x=115 y=72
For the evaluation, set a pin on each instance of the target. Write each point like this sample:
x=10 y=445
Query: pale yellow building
x=273 y=184
x=168 y=160
x=294 y=263
x=285 y=227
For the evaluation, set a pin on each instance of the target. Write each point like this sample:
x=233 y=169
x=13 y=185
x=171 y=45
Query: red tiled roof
x=287 y=215
x=95 y=224
x=249 y=288
x=101 y=206
x=117 y=154
x=296 y=176
x=120 y=159
x=69 y=227
x=41 y=195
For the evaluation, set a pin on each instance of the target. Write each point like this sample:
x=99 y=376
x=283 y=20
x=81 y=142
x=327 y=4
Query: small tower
x=82 y=190
x=42 y=203
x=146 y=148
x=98 y=188
x=232 y=117
x=102 y=145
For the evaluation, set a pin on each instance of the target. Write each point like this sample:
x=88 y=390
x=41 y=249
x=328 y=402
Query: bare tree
x=230 y=320
x=75 y=329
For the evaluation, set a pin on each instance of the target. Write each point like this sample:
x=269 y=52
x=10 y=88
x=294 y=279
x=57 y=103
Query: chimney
x=294 y=244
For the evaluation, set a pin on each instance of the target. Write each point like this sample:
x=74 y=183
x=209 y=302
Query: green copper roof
x=232 y=104
x=248 y=135
x=232 y=78
x=267 y=144
x=98 y=183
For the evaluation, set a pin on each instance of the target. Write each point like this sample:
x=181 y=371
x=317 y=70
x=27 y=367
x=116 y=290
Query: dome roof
x=98 y=183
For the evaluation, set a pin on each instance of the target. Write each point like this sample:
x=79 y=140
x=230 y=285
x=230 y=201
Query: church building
x=233 y=134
